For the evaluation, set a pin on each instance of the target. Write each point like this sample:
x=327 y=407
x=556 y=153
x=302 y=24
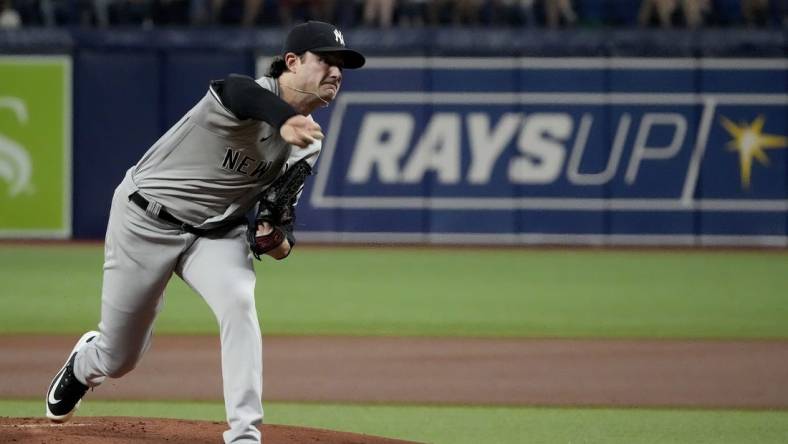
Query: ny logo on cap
x=338 y=37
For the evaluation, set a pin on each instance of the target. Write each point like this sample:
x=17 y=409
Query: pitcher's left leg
x=221 y=271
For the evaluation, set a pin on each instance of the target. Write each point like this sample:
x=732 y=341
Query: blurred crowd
x=402 y=13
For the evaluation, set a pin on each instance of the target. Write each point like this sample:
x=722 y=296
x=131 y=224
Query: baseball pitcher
x=216 y=190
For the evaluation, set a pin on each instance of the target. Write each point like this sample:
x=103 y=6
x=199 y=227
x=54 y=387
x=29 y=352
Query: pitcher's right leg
x=140 y=255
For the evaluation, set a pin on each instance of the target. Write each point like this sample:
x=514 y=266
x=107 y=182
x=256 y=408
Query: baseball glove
x=277 y=208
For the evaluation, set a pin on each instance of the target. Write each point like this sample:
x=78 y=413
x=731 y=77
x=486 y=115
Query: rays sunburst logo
x=751 y=142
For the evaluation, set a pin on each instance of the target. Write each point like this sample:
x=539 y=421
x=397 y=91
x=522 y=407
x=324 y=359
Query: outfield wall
x=504 y=137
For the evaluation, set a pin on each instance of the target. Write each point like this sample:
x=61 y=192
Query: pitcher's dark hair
x=278 y=66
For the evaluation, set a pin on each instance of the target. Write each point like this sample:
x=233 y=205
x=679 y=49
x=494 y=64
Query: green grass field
x=479 y=425
x=515 y=293
x=450 y=292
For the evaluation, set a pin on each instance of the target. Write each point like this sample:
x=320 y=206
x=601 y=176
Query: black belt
x=155 y=209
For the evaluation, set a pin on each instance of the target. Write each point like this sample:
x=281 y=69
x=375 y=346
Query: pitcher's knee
x=122 y=367
x=237 y=307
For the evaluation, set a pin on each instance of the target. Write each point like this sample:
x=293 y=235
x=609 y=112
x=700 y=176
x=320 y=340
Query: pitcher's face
x=320 y=73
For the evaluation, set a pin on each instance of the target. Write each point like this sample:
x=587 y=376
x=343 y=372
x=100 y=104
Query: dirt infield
x=711 y=374
x=543 y=372
x=99 y=430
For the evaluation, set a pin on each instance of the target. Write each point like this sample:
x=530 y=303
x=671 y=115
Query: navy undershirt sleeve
x=248 y=100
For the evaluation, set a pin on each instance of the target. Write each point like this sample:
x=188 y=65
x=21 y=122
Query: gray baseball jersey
x=209 y=166
x=207 y=169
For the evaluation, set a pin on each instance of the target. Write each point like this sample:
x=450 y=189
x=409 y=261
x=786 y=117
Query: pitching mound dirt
x=118 y=430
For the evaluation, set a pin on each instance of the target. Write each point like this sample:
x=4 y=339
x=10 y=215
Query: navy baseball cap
x=321 y=37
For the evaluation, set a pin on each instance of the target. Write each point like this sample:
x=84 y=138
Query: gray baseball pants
x=141 y=254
